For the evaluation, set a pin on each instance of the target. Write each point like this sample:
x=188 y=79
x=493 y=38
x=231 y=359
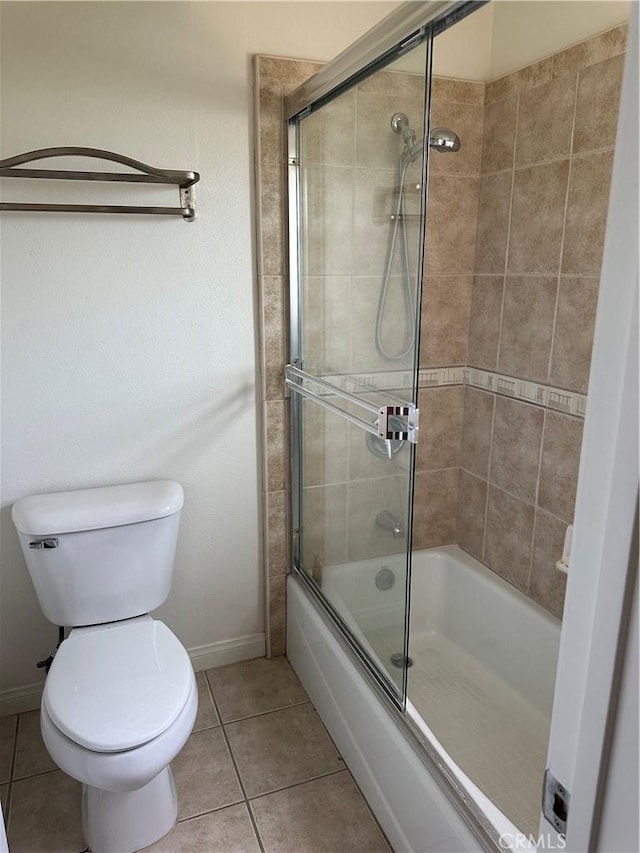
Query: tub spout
x=388 y=521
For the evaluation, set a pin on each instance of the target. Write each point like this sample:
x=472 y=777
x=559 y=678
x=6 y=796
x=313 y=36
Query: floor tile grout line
x=264 y=713
x=244 y=793
x=14 y=753
x=240 y=802
x=370 y=810
x=36 y=775
x=210 y=693
x=206 y=728
x=259 y=796
x=249 y=799
x=7 y=806
x=326 y=730
x=343 y=769
x=299 y=782
x=235 y=766
x=267 y=713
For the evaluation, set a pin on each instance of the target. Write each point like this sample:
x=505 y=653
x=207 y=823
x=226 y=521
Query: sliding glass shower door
x=357 y=171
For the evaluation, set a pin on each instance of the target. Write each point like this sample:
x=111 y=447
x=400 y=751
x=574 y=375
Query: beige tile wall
x=546 y=164
x=349 y=154
x=274 y=79
x=450 y=245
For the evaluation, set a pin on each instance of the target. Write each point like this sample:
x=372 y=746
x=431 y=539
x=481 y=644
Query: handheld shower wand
x=441 y=139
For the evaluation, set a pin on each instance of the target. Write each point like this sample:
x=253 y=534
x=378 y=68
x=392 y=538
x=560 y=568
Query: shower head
x=444 y=140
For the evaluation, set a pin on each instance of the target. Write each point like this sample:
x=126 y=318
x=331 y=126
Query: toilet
x=120 y=699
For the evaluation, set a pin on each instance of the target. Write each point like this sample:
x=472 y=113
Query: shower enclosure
x=441 y=260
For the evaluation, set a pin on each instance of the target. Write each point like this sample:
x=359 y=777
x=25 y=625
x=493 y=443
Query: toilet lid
x=118 y=686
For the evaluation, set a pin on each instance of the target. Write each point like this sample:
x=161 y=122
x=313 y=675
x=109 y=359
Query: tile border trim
x=396 y=381
x=429 y=377
x=536 y=393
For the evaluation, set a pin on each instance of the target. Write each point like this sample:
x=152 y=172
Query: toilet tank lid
x=93 y=509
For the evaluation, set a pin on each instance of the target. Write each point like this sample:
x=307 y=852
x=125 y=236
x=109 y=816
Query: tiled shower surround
x=514 y=240
x=547 y=155
x=274 y=78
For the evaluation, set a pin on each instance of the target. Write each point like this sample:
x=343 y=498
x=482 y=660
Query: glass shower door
x=356 y=177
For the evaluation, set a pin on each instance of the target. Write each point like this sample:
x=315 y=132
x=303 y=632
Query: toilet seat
x=119 y=771
x=115 y=687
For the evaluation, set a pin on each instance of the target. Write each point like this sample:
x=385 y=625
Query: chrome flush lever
x=39 y=544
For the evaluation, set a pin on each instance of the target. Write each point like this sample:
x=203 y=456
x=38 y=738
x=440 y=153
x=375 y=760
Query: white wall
x=505 y=35
x=128 y=344
x=524 y=32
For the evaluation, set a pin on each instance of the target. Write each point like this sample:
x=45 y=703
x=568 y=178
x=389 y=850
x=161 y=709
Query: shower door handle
x=388 y=417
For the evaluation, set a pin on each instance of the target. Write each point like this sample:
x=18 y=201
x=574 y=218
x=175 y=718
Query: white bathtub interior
x=484 y=656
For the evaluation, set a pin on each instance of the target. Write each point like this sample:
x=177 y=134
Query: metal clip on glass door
x=390 y=416
x=386 y=417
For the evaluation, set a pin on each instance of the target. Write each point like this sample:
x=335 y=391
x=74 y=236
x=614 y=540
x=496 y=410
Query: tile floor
x=259 y=773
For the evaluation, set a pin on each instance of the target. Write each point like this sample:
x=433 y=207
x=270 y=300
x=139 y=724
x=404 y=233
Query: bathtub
x=455 y=596
x=483 y=655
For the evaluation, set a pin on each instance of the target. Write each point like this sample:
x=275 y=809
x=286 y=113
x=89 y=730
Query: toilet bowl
x=120 y=699
x=119 y=704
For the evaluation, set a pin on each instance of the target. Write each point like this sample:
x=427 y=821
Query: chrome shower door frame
x=295 y=325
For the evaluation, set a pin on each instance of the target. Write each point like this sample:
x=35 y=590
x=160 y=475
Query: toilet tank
x=100 y=555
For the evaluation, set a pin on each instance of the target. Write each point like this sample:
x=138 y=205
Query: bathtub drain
x=399 y=660
x=385 y=578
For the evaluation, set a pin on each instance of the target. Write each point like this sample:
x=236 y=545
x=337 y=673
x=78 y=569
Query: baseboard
x=227 y=651
x=17 y=700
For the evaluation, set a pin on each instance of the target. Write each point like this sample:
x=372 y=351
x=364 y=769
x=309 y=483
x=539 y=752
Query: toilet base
x=125 y=821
